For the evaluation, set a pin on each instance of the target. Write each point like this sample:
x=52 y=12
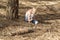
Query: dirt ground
x=48 y=27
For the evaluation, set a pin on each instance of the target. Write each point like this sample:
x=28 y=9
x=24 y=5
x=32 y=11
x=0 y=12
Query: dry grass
x=47 y=29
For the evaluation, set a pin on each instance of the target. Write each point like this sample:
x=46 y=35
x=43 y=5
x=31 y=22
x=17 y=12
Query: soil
x=48 y=27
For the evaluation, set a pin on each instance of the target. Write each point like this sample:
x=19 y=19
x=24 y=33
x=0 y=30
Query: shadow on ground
x=6 y=22
x=41 y=18
x=47 y=17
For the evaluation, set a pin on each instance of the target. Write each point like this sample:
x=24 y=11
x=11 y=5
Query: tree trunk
x=13 y=9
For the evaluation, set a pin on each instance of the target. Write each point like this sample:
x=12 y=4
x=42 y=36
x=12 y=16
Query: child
x=29 y=16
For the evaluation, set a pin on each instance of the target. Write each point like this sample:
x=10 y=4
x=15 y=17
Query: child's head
x=33 y=10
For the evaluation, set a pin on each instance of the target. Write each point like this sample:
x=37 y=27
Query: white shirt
x=28 y=14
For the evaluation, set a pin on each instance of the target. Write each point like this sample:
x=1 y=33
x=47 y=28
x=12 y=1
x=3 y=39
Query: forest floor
x=46 y=29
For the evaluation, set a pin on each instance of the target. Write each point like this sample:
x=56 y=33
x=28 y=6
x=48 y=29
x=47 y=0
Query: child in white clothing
x=29 y=16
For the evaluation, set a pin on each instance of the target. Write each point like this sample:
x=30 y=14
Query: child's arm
x=29 y=20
